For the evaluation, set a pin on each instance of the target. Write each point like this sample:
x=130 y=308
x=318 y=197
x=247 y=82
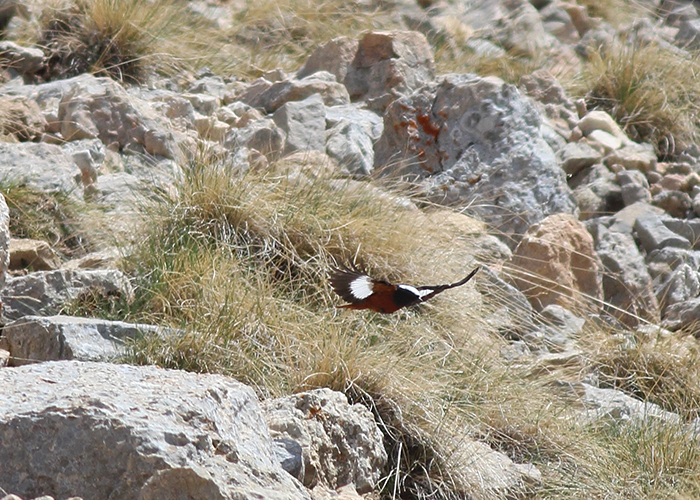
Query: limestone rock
x=43 y=167
x=100 y=107
x=264 y=136
x=304 y=123
x=626 y=280
x=33 y=254
x=126 y=432
x=577 y=156
x=388 y=64
x=556 y=263
x=340 y=444
x=51 y=338
x=335 y=57
x=269 y=96
x=45 y=292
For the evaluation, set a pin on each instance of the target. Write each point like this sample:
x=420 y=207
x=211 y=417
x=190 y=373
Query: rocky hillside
x=178 y=179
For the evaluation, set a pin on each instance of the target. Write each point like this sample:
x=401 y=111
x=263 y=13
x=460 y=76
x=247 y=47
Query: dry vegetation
x=237 y=263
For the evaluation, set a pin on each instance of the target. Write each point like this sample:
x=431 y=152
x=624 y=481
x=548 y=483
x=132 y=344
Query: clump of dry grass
x=54 y=218
x=651 y=92
x=656 y=367
x=123 y=39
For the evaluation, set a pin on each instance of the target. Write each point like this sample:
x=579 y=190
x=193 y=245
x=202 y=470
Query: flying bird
x=364 y=292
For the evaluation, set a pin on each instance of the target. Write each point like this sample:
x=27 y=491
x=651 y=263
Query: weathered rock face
x=44 y=167
x=32 y=339
x=626 y=280
x=480 y=141
x=340 y=444
x=378 y=68
x=126 y=432
x=556 y=263
x=45 y=292
x=100 y=107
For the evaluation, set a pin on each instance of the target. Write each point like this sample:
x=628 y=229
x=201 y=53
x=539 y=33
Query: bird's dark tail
x=439 y=288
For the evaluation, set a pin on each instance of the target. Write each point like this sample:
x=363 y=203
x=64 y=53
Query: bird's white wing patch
x=361 y=287
x=418 y=293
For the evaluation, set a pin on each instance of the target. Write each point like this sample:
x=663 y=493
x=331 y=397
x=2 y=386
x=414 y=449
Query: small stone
x=606 y=140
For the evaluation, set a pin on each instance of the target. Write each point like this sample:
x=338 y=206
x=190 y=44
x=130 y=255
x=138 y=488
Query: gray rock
x=356 y=114
x=43 y=293
x=126 y=432
x=270 y=96
x=304 y=123
x=102 y=108
x=634 y=187
x=625 y=220
x=32 y=339
x=263 y=136
x=576 y=156
x=484 y=140
x=351 y=145
x=653 y=234
x=41 y=166
x=680 y=286
x=24 y=60
x=289 y=454
x=341 y=444
x=687 y=228
x=616 y=406
x=203 y=103
x=688 y=36
x=4 y=241
x=596 y=191
x=626 y=281
x=507 y=309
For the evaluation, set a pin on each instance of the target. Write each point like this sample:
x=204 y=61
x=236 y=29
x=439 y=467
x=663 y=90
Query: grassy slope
x=238 y=263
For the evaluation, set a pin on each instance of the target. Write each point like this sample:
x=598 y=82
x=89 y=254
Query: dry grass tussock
x=651 y=92
x=56 y=218
x=237 y=261
x=123 y=39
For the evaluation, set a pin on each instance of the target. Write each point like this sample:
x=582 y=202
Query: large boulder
x=476 y=141
x=97 y=430
x=340 y=443
x=556 y=263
